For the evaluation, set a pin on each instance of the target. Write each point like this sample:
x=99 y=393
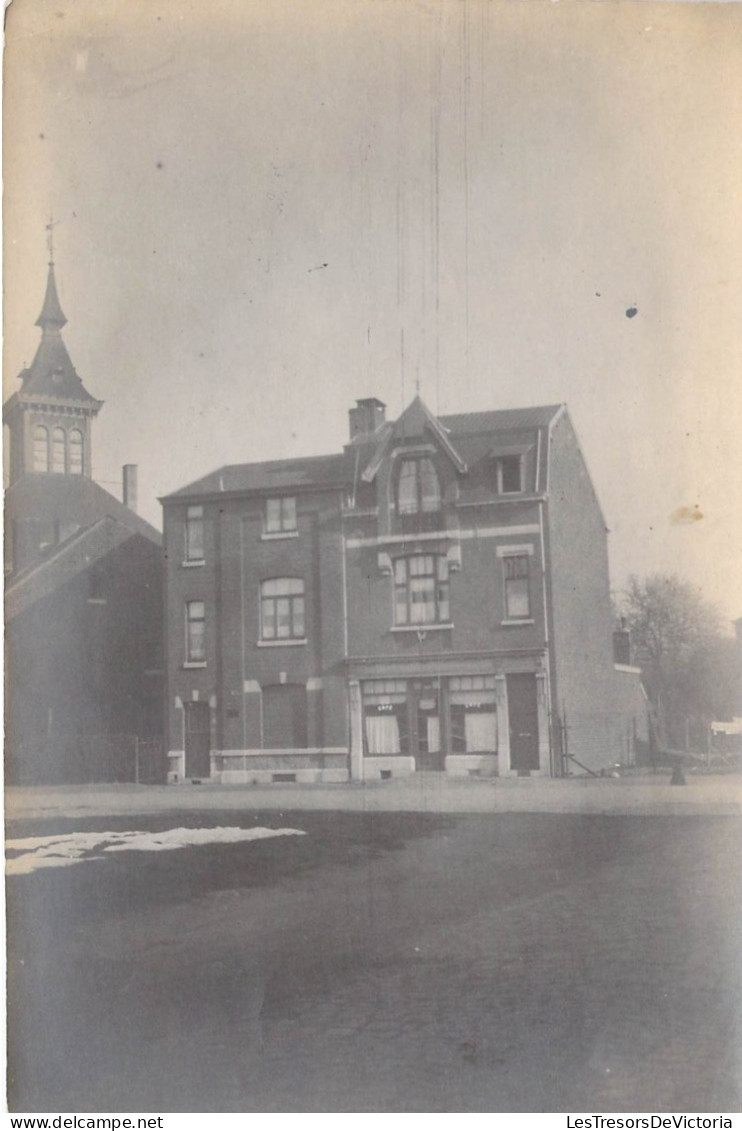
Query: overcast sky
x=267 y=210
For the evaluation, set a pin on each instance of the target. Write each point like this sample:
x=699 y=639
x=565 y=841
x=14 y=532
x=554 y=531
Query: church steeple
x=52 y=314
x=50 y=416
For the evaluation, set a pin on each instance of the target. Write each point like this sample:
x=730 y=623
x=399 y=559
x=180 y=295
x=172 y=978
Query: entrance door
x=425 y=729
x=523 y=715
x=284 y=717
x=197 y=740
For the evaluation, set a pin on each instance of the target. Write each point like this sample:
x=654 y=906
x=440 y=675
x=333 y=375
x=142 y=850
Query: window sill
x=281 y=643
x=436 y=627
x=195 y=664
x=516 y=622
x=97 y=601
x=279 y=535
x=194 y=563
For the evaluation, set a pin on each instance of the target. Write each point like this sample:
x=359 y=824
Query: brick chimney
x=366 y=418
x=130 y=486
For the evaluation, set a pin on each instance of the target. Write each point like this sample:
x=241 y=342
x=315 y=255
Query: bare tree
x=688 y=664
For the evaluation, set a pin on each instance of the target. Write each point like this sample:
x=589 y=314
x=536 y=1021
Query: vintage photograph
x=373 y=547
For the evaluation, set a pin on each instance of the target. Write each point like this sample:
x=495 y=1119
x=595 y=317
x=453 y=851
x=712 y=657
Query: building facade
x=435 y=597
x=83 y=585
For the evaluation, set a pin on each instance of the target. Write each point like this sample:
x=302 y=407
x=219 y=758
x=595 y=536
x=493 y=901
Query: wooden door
x=523 y=718
x=197 y=740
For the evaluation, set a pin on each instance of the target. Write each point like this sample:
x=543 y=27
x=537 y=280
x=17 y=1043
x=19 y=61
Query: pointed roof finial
x=50 y=237
x=52 y=314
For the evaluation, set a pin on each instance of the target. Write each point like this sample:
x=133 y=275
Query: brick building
x=83 y=595
x=434 y=597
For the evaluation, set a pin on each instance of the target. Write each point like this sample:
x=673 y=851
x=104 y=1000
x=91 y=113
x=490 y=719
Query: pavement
x=641 y=795
x=384 y=962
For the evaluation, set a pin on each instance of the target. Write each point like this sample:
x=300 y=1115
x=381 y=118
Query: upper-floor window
x=280 y=515
x=194 y=534
x=282 y=609
x=421 y=590
x=418 y=487
x=40 y=448
x=195 y=632
x=59 y=450
x=509 y=474
x=517 y=595
x=75 y=451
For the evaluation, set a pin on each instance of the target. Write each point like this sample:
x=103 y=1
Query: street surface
x=383 y=961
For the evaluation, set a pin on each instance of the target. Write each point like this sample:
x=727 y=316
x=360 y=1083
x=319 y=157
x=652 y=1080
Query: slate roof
x=340 y=469
x=51 y=373
x=63 y=562
x=500 y=420
x=74 y=499
x=311 y=471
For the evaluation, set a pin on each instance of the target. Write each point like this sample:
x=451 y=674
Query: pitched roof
x=310 y=471
x=499 y=420
x=51 y=373
x=63 y=562
x=457 y=433
x=74 y=499
x=51 y=312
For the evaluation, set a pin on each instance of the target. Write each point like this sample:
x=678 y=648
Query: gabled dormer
x=49 y=418
x=415 y=470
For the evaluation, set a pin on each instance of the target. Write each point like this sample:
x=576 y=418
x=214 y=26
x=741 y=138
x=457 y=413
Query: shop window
x=473 y=715
x=385 y=717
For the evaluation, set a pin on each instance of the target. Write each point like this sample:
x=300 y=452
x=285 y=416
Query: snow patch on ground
x=61 y=849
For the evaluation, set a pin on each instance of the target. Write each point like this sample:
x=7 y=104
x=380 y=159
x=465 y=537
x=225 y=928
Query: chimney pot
x=367 y=417
x=130 y=486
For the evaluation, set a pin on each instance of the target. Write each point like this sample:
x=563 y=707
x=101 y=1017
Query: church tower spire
x=50 y=416
x=52 y=315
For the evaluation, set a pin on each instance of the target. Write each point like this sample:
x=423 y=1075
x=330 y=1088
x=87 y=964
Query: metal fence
x=595 y=743
x=87 y=758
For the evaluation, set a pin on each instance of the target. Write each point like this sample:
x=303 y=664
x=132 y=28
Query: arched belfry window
x=76 y=452
x=418 y=487
x=40 y=448
x=59 y=450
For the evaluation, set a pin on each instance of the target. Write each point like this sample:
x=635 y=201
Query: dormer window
x=418 y=487
x=280 y=515
x=509 y=474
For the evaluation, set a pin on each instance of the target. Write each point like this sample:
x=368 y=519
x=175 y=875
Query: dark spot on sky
x=597 y=294
x=42 y=136
x=632 y=310
x=159 y=165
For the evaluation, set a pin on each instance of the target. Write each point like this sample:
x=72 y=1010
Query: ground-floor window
x=385 y=716
x=473 y=714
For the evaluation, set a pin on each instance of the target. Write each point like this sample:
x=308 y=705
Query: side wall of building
x=83 y=665
x=594 y=710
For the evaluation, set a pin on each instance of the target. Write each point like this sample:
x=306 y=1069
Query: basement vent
x=284 y=777
x=385 y=774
